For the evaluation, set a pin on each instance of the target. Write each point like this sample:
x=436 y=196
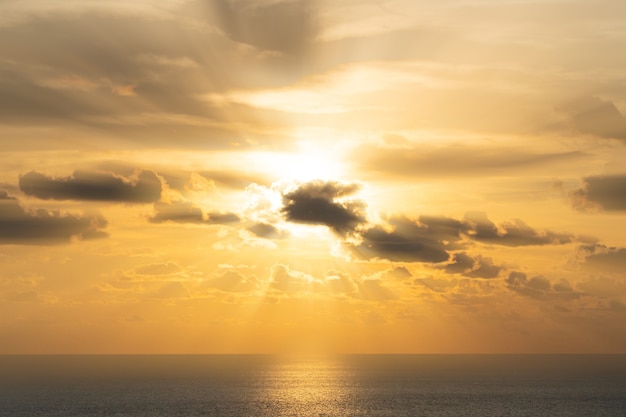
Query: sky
x=284 y=176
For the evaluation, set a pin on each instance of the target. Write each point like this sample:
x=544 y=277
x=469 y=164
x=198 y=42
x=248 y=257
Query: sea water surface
x=351 y=385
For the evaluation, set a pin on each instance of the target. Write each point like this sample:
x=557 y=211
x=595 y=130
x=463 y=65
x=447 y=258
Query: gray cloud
x=268 y=231
x=316 y=202
x=602 y=192
x=93 y=186
x=473 y=267
x=454 y=160
x=21 y=226
x=595 y=116
x=601 y=258
x=143 y=83
x=287 y=27
x=539 y=287
x=408 y=242
x=429 y=239
x=514 y=233
x=187 y=212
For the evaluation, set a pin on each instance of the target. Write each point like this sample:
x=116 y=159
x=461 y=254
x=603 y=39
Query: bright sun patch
x=308 y=163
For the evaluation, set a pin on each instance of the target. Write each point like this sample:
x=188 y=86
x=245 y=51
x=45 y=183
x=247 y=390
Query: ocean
x=349 y=385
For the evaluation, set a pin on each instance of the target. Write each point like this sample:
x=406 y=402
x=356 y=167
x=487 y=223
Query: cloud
x=602 y=192
x=136 y=86
x=473 y=267
x=428 y=161
x=430 y=238
x=513 y=233
x=268 y=231
x=93 y=186
x=601 y=258
x=339 y=282
x=187 y=212
x=232 y=281
x=21 y=226
x=285 y=279
x=539 y=287
x=595 y=116
x=435 y=284
x=283 y=26
x=603 y=287
x=407 y=242
x=334 y=282
x=373 y=289
x=321 y=202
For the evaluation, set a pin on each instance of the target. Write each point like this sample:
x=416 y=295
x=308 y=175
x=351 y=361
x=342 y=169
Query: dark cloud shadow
x=93 y=186
x=321 y=202
x=602 y=192
x=602 y=258
x=540 y=287
x=473 y=267
x=514 y=233
x=43 y=227
x=268 y=231
x=407 y=242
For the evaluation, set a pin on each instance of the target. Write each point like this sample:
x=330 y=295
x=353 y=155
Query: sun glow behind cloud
x=392 y=176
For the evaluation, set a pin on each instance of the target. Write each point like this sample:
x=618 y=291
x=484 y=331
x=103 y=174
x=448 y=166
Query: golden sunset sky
x=348 y=176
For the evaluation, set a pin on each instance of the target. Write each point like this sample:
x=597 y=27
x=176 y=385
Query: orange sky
x=224 y=176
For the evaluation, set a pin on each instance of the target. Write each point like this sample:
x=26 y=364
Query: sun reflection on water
x=307 y=386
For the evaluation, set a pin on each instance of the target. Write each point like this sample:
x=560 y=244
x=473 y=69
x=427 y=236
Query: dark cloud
x=595 y=116
x=514 y=233
x=603 y=192
x=93 y=186
x=430 y=239
x=407 y=242
x=21 y=226
x=601 y=258
x=186 y=212
x=473 y=267
x=540 y=286
x=316 y=202
x=268 y=231
x=232 y=281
